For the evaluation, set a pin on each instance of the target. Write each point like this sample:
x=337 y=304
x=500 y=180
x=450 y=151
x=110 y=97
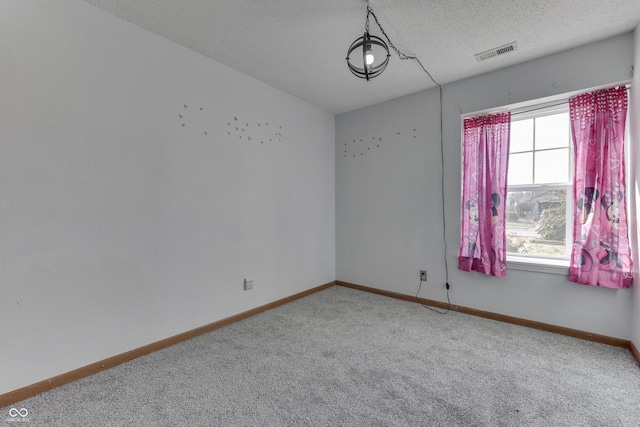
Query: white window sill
x=539 y=265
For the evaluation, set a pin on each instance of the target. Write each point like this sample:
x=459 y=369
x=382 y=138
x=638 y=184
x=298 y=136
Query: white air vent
x=483 y=56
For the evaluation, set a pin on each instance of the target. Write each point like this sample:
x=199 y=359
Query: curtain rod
x=525 y=110
x=533 y=105
x=552 y=104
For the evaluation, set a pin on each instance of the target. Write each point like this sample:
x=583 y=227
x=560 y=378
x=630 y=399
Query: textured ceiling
x=299 y=46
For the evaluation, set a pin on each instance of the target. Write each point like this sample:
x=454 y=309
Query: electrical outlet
x=248 y=284
x=423 y=275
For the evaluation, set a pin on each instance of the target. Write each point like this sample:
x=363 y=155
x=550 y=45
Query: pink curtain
x=484 y=191
x=601 y=254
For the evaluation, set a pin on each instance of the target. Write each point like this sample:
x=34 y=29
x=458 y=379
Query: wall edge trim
x=93 y=368
x=575 y=333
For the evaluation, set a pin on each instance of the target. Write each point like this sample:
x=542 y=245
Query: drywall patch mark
x=194 y=118
x=354 y=148
x=359 y=147
x=238 y=129
x=259 y=132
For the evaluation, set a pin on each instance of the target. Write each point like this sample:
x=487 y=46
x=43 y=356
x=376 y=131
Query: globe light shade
x=365 y=50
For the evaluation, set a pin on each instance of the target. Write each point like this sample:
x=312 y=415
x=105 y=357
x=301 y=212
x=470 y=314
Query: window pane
x=552 y=166
x=536 y=222
x=521 y=137
x=552 y=131
x=520 y=169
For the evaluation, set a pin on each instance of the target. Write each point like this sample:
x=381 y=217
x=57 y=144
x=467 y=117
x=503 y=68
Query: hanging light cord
x=403 y=56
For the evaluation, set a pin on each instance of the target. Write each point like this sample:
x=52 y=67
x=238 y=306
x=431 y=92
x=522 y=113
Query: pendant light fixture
x=370 y=53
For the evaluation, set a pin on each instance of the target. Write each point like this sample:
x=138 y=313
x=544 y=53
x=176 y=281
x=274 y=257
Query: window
x=539 y=194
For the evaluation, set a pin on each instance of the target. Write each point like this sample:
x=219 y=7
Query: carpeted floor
x=342 y=357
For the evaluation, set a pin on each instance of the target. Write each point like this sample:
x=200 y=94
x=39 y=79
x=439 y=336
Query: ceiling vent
x=483 y=56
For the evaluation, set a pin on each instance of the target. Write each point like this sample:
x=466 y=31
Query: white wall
x=634 y=190
x=119 y=226
x=388 y=193
x=388 y=204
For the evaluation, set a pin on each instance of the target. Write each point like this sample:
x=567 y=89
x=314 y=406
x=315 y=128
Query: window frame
x=540 y=262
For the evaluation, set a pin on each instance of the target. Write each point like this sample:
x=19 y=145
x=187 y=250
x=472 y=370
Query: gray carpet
x=342 y=357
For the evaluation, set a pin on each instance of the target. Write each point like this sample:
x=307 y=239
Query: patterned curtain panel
x=601 y=254
x=484 y=191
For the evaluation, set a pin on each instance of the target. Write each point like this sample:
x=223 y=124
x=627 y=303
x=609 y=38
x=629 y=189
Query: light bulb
x=368 y=55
